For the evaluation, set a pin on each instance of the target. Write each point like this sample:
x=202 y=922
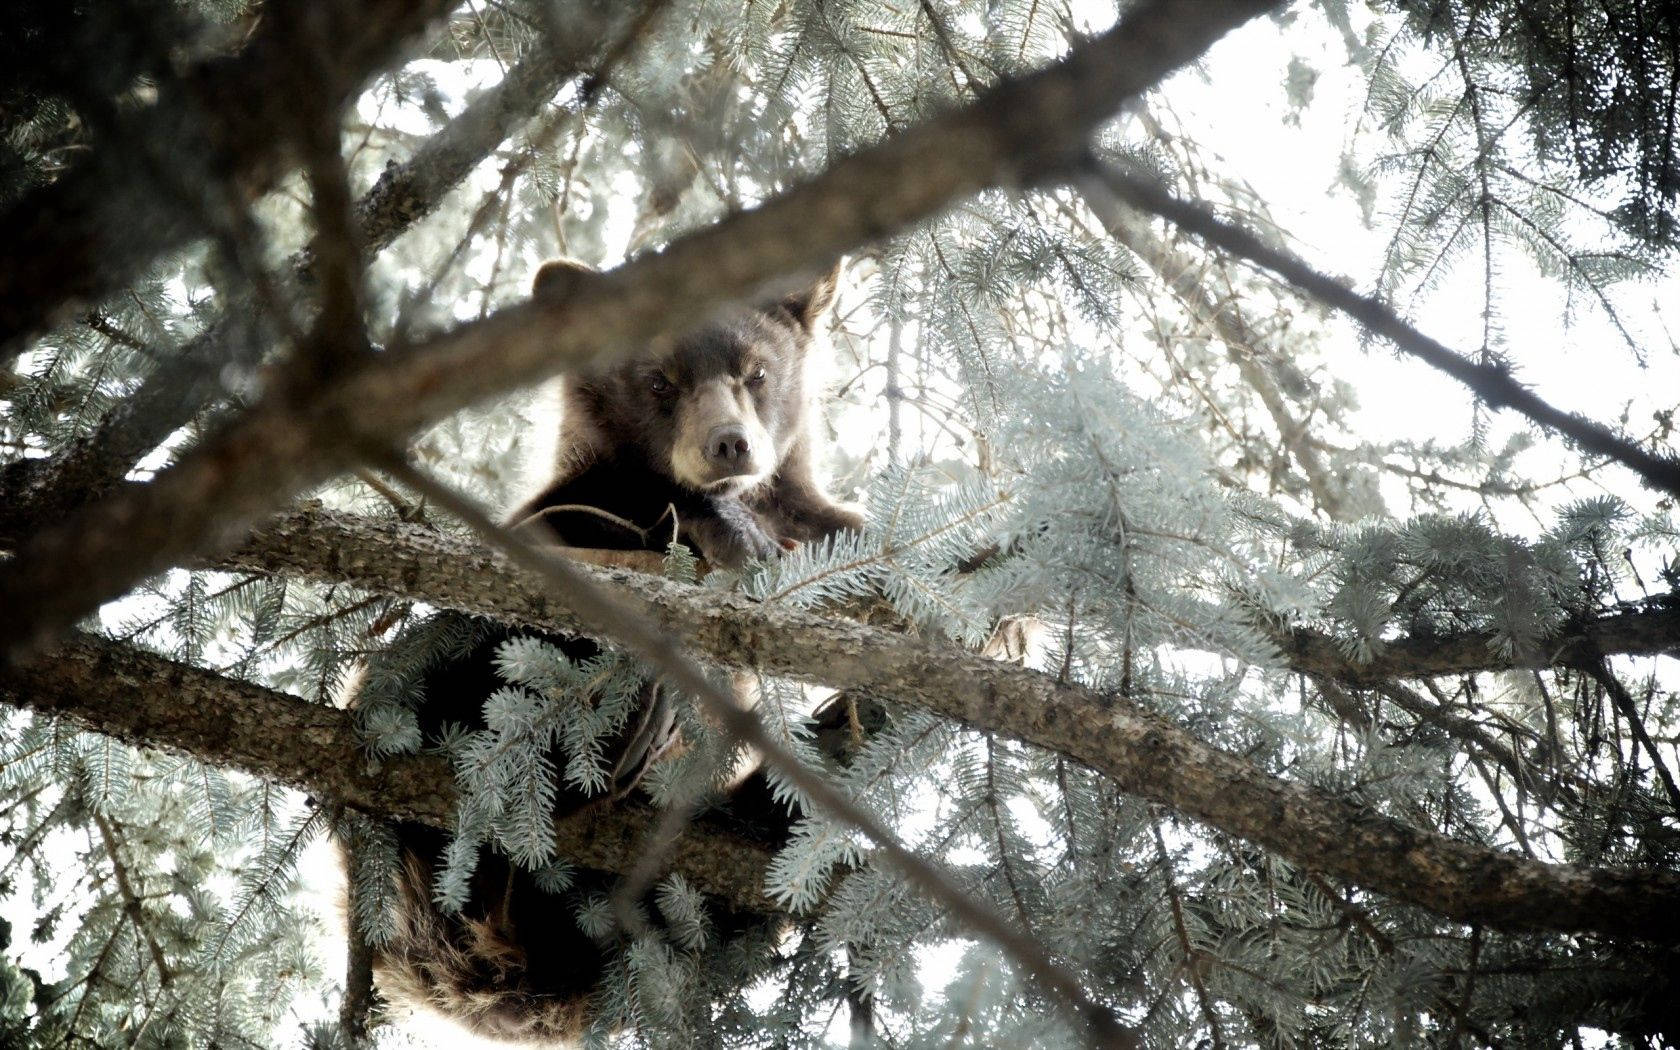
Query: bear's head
x=716 y=411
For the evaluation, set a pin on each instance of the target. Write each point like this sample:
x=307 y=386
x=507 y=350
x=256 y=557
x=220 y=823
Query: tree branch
x=1023 y=131
x=1142 y=753
x=145 y=699
x=228 y=124
x=1649 y=628
x=150 y=701
x=1245 y=345
x=404 y=194
x=1492 y=384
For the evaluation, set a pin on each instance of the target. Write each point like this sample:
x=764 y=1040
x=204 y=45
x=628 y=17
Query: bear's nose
x=727 y=445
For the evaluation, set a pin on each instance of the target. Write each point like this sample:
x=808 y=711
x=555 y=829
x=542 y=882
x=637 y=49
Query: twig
x=1599 y=670
x=1192 y=956
x=578 y=508
x=1106 y=185
x=131 y=900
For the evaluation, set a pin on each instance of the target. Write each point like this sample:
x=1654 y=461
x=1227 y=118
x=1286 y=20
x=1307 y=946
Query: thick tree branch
x=1142 y=753
x=1022 y=131
x=230 y=125
x=1494 y=385
x=149 y=701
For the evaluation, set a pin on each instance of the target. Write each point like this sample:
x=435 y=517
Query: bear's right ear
x=808 y=305
x=558 y=278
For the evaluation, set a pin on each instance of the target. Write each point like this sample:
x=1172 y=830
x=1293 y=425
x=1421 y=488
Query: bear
x=712 y=439
x=709 y=443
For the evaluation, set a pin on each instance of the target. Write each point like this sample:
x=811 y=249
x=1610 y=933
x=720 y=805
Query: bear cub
x=709 y=443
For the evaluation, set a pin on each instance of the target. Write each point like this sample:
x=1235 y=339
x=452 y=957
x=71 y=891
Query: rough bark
x=1023 y=131
x=1142 y=753
x=149 y=701
x=230 y=126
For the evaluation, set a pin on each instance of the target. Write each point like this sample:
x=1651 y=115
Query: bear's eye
x=756 y=376
x=659 y=384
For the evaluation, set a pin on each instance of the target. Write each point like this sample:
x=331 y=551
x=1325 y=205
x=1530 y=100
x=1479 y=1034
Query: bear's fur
x=711 y=440
x=709 y=443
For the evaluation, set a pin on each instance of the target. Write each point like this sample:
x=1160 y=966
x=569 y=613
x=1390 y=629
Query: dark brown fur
x=513 y=964
x=623 y=429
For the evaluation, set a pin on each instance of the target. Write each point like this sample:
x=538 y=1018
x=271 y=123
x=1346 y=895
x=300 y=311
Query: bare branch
x=1599 y=670
x=1027 y=130
x=1492 y=384
x=131 y=900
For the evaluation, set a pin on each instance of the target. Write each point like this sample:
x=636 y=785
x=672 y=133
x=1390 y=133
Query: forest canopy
x=1264 y=627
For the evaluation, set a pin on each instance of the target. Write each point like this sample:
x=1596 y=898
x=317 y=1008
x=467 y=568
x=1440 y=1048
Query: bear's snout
x=728 y=446
x=719 y=442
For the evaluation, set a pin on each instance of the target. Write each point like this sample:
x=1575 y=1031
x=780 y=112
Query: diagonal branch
x=1599 y=670
x=1245 y=345
x=150 y=701
x=227 y=123
x=1143 y=754
x=1022 y=131
x=1493 y=385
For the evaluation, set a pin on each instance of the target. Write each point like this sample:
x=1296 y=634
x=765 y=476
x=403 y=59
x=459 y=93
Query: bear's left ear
x=558 y=278
x=810 y=304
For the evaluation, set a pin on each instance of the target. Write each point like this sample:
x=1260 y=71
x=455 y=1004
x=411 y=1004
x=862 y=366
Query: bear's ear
x=557 y=278
x=809 y=304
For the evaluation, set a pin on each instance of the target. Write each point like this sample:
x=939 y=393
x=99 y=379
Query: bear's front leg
x=729 y=534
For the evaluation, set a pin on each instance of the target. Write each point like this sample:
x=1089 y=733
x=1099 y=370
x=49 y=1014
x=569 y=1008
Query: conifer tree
x=1163 y=700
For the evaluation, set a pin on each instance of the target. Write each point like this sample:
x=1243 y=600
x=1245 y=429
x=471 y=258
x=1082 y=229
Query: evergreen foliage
x=1162 y=482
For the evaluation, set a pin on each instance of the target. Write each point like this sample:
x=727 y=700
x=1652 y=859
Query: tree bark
x=1142 y=753
x=313 y=747
x=147 y=700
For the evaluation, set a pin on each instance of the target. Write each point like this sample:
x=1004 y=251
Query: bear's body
x=709 y=444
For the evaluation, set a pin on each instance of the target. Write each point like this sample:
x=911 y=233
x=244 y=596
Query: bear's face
x=717 y=412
